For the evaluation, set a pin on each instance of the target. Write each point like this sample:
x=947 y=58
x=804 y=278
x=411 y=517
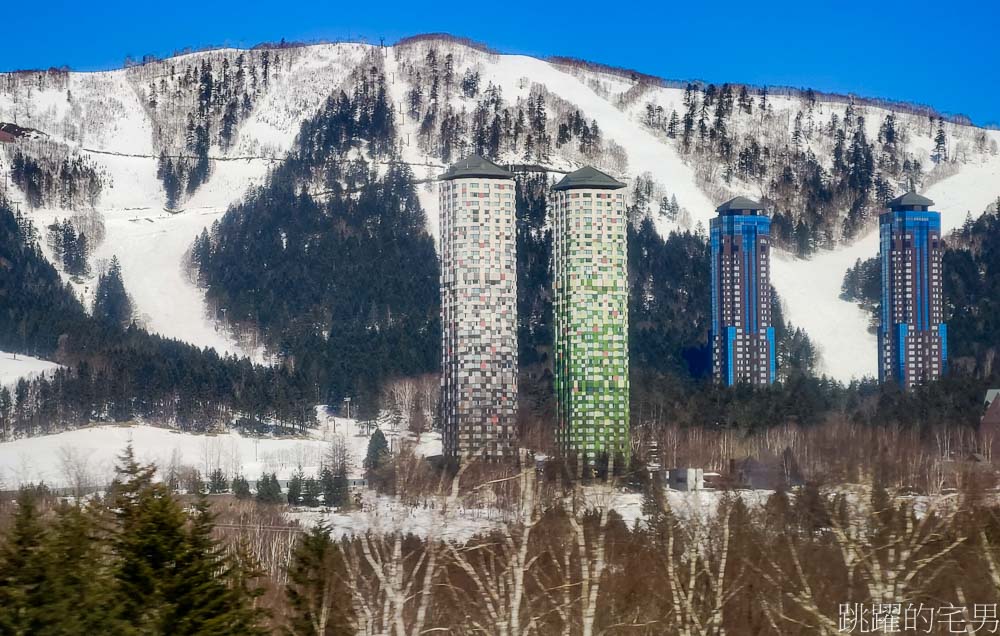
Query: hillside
x=161 y=151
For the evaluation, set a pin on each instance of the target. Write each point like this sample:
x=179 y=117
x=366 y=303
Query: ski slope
x=810 y=297
x=13 y=367
x=810 y=288
x=967 y=193
x=646 y=153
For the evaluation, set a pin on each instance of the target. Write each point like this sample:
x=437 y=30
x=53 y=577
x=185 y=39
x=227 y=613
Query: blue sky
x=945 y=54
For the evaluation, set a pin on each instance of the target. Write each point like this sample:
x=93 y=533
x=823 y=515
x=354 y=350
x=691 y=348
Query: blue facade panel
x=772 y=361
x=910 y=335
x=754 y=291
x=943 y=334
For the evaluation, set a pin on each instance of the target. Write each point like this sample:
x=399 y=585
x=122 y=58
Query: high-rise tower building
x=478 y=310
x=742 y=337
x=912 y=335
x=590 y=297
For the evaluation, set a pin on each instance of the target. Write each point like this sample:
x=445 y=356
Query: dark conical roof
x=909 y=199
x=588 y=177
x=475 y=166
x=739 y=204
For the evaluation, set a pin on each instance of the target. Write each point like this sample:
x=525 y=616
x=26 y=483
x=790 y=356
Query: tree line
x=51 y=177
x=139 y=560
x=111 y=369
x=562 y=562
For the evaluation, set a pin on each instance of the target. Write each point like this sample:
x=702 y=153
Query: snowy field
x=94 y=451
x=14 y=367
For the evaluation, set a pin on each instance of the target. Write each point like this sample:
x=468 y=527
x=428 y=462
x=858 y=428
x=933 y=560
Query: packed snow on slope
x=810 y=296
x=96 y=449
x=150 y=246
x=810 y=288
x=967 y=193
x=13 y=367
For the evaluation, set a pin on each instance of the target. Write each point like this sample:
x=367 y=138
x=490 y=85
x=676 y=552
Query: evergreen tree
x=200 y=598
x=79 y=584
x=217 y=482
x=378 y=450
x=241 y=487
x=310 y=492
x=171 y=576
x=317 y=593
x=269 y=489
x=193 y=483
x=111 y=302
x=146 y=545
x=24 y=572
x=672 y=125
x=327 y=485
x=295 y=488
x=940 y=152
x=169 y=175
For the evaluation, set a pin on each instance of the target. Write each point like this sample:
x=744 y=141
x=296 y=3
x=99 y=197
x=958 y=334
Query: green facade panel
x=590 y=297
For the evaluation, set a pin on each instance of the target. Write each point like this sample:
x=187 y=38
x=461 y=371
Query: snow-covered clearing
x=382 y=514
x=437 y=517
x=15 y=366
x=95 y=450
x=968 y=192
x=149 y=246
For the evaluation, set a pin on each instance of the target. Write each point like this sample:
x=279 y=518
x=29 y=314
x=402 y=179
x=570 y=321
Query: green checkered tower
x=590 y=296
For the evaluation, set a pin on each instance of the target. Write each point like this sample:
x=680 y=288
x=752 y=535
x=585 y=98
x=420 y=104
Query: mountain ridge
x=776 y=88
x=589 y=117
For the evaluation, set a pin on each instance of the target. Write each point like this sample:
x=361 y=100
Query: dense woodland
x=50 y=175
x=331 y=260
x=141 y=559
x=72 y=240
x=115 y=371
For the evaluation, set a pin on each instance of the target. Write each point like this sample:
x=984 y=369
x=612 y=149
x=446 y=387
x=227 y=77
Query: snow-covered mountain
x=165 y=148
